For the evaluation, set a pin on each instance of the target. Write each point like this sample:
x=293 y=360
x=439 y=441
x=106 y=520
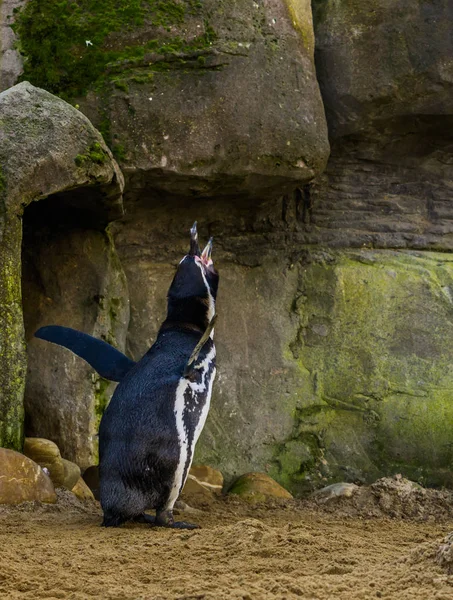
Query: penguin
x=148 y=432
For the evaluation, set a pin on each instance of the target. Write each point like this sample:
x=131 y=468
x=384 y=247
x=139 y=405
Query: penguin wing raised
x=109 y=362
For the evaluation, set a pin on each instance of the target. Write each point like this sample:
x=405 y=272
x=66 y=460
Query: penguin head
x=193 y=291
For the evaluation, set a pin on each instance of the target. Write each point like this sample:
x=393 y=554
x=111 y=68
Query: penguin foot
x=184 y=525
x=165 y=518
x=144 y=518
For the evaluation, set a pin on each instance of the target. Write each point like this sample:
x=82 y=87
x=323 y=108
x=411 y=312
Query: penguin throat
x=194 y=312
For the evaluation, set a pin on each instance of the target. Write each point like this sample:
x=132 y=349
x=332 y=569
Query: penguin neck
x=189 y=313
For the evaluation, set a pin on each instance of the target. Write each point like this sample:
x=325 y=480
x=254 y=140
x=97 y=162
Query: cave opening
x=66 y=280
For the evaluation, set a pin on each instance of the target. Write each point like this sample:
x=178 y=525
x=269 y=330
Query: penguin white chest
x=193 y=398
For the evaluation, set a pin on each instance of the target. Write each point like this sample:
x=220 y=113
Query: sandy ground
x=296 y=550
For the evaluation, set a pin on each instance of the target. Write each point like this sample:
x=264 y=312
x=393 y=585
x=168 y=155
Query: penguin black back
x=149 y=430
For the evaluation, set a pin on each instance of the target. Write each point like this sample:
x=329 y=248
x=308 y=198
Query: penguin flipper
x=109 y=362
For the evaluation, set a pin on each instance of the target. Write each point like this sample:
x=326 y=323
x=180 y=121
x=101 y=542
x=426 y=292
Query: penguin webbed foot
x=145 y=518
x=184 y=525
x=165 y=519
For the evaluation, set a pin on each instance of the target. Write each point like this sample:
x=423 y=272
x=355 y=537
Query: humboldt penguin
x=148 y=432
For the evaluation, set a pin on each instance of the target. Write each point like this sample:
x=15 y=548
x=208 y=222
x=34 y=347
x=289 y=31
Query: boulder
x=22 y=480
x=47 y=147
x=142 y=85
x=46 y=454
x=82 y=491
x=210 y=478
x=195 y=494
x=335 y=490
x=258 y=487
x=71 y=474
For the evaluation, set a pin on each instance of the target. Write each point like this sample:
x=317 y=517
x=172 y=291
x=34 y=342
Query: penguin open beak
x=194 y=247
x=206 y=254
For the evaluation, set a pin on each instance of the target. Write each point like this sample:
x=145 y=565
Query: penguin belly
x=192 y=402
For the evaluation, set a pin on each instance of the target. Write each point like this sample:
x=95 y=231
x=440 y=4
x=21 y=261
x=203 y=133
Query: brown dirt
x=281 y=551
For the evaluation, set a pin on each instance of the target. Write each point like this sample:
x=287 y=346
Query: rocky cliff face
x=47 y=149
x=336 y=283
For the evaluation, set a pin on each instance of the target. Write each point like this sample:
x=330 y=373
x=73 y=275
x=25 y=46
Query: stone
x=11 y=63
x=82 y=491
x=381 y=383
x=91 y=478
x=53 y=150
x=289 y=349
x=47 y=147
x=195 y=494
x=71 y=474
x=210 y=478
x=47 y=454
x=22 y=480
x=147 y=98
x=382 y=71
x=258 y=487
x=389 y=99
x=335 y=490
x=74 y=276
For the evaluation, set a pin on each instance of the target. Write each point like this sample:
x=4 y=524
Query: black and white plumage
x=149 y=430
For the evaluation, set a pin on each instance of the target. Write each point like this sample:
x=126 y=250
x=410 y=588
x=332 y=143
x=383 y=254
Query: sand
x=281 y=551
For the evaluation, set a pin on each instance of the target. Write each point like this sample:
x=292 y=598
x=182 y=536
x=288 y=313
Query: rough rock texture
x=386 y=75
x=382 y=60
x=46 y=147
x=22 y=480
x=334 y=363
x=208 y=477
x=258 y=487
x=196 y=495
x=71 y=277
x=49 y=147
x=179 y=96
x=82 y=491
x=71 y=474
x=374 y=338
x=47 y=455
x=11 y=63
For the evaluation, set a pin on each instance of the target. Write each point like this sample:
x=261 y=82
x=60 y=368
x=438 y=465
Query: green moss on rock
x=12 y=348
x=375 y=336
x=95 y=154
x=66 y=44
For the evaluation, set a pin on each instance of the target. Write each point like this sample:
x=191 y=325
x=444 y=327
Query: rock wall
x=336 y=283
x=71 y=276
x=47 y=148
x=333 y=364
x=197 y=98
